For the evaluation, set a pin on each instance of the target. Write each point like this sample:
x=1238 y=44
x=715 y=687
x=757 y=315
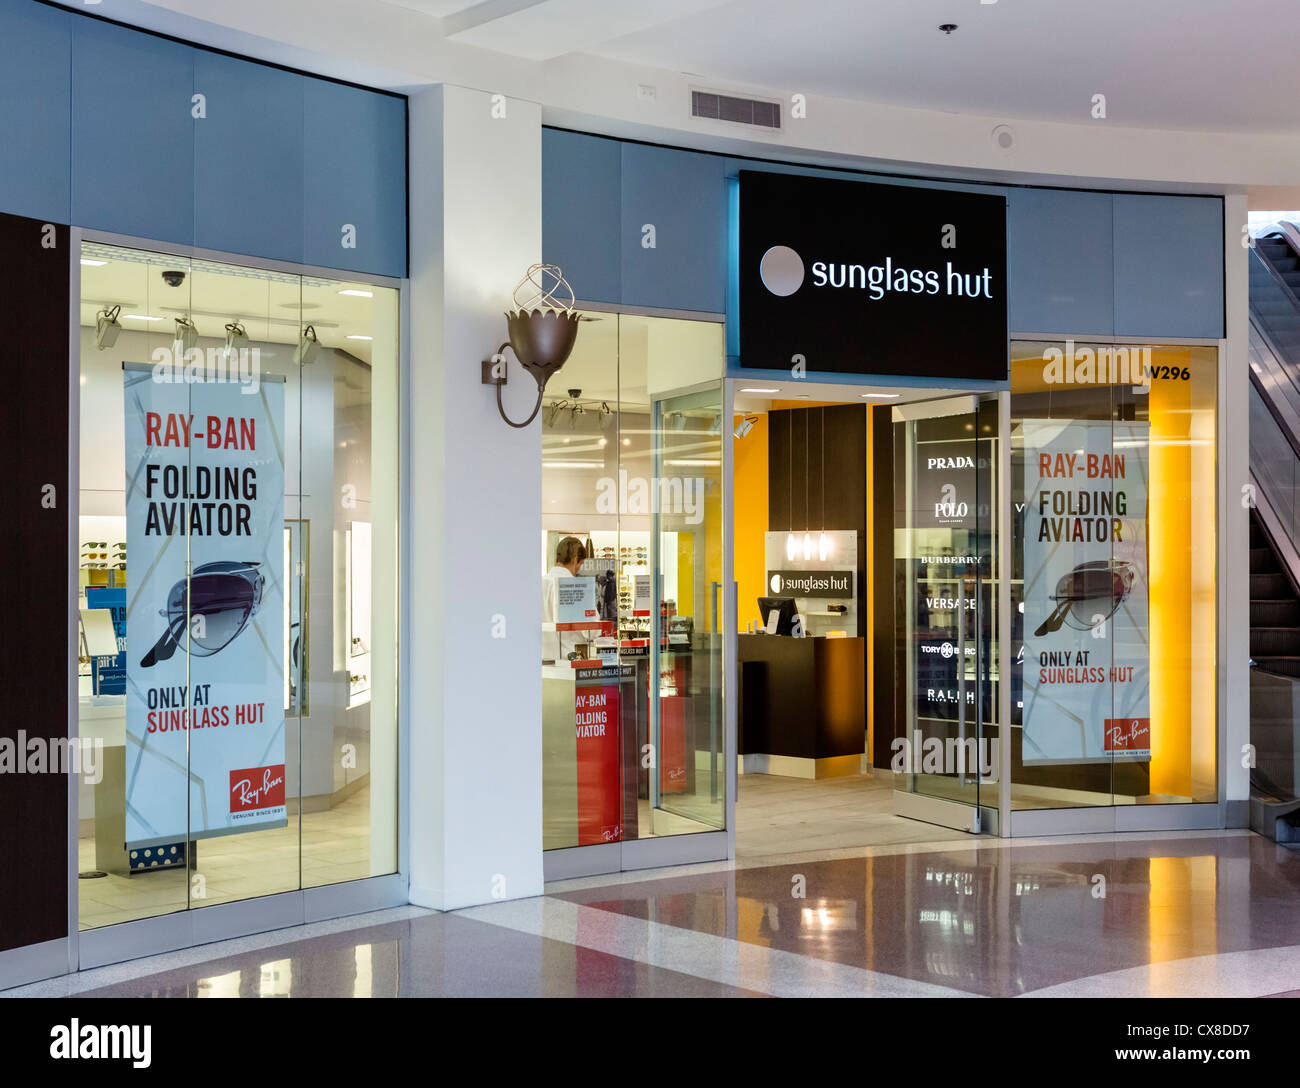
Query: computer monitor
x=785 y=613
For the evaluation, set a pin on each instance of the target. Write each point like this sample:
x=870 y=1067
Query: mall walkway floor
x=1174 y=914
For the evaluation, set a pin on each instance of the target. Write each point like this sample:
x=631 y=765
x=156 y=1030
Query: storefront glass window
x=1114 y=493
x=630 y=567
x=238 y=603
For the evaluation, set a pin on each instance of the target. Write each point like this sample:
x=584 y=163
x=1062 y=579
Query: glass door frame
x=990 y=812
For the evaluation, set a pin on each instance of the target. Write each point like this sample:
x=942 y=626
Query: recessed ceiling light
x=92 y=264
x=355 y=337
x=358 y=294
x=760 y=390
x=882 y=396
x=139 y=317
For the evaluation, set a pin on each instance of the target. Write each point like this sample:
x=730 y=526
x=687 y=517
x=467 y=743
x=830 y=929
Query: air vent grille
x=743 y=111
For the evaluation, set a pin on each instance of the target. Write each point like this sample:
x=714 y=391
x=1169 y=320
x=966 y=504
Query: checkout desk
x=803 y=706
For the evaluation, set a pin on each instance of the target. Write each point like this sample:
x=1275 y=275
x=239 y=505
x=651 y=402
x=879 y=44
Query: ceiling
x=271 y=306
x=1196 y=64
x=753 y=395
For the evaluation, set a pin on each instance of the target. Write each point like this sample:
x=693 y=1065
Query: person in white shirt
x=558 y=645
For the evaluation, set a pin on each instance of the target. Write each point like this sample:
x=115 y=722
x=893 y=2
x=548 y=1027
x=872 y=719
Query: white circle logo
x=776 y=583
x=947 y=649
x=781 y=270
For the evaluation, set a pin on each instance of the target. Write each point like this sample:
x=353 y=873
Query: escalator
x=1275 y=532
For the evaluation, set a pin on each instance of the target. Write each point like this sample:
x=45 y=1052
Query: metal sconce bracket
x=542 y=334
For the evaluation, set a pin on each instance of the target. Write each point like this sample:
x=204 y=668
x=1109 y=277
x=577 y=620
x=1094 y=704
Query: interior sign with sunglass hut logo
x=851 y=277
x=205 y=608
x=1086 y=655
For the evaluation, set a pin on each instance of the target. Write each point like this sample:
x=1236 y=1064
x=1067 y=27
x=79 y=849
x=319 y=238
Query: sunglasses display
x=224 y=596
x=1091 y=590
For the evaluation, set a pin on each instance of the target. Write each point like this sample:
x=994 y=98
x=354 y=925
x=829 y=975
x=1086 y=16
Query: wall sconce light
x=542 y=331
x=746 y=425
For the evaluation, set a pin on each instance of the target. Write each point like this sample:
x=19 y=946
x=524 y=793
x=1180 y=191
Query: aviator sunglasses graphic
x=223 y=596
x=1088 y=592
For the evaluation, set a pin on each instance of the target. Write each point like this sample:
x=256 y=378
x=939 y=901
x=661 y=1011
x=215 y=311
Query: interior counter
x=802 y=705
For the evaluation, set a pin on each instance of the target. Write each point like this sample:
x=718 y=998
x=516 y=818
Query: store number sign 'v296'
x=851 y=277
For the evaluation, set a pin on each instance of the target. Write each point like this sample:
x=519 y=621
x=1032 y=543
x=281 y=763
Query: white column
x=473 y=700
x=1234 y=519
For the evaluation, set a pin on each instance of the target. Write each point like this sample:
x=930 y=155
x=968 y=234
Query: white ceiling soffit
x=1201 y=64
x=436 y=8
x=542 y=29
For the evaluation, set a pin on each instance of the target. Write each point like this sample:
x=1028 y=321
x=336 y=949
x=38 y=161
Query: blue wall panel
x=1168 y=266
x=581 y=212
x=684 y=195
x=1060 y=262
x=35 y=90
x=355 y=173
x=248 y=159
x=132 y=135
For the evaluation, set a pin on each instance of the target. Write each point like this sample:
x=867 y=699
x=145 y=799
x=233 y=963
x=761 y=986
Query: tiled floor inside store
x=780 y=815
x=335 y=847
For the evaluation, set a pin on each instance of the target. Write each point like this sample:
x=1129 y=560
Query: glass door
x=946 y=662
x=687 y=777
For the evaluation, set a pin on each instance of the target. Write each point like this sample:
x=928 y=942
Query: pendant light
x=791 y=541
x=823 y=541
x=807 y=537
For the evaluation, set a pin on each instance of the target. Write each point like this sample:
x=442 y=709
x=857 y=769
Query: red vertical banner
x=596 y=720
x=672 y=728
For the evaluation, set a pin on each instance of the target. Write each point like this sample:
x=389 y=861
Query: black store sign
x=857 y=278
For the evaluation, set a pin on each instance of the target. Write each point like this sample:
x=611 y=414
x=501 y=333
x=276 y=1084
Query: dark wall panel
x=817 y=475
x=34 y=638
x=882 y=575
x=779 y=472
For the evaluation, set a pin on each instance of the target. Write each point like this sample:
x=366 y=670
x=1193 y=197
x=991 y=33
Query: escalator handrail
x=1284 y=425
x=1274 y=530
x=1290 y=234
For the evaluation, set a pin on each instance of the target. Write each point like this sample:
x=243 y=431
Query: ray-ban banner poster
x=1086 y=650
x=205 y=606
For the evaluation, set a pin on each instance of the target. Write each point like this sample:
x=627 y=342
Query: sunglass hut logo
x=784 y=272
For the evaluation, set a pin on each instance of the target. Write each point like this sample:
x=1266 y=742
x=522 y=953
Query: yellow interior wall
x=750 y=520
x=686 y=576
x=1180 y=573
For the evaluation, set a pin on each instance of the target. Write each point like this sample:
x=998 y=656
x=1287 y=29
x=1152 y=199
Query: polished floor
x=1161 y=915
